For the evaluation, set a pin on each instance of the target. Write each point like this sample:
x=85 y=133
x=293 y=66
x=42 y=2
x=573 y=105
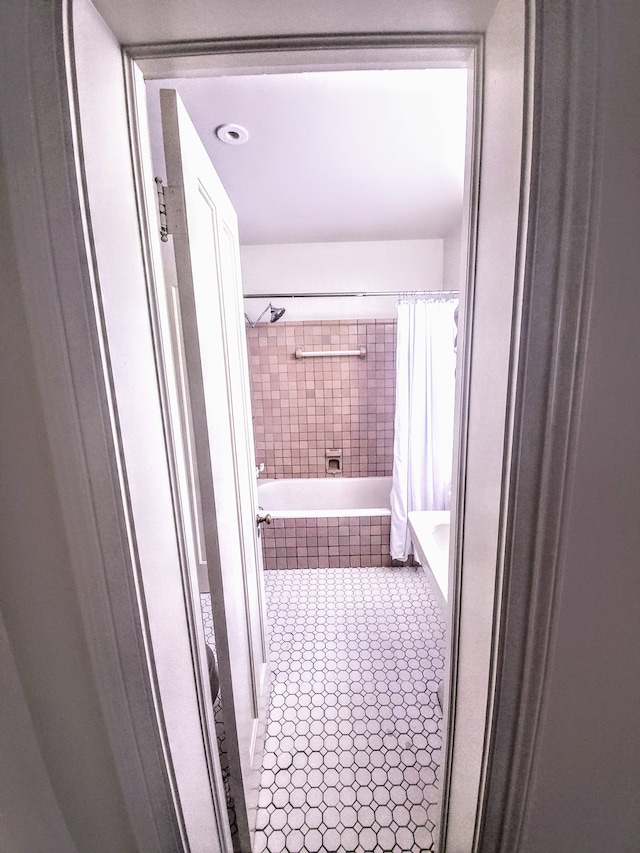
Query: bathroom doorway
x=418 y=246
x=463 y=428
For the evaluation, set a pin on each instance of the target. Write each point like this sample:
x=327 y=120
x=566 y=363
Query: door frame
x=58 y=284
x=357 y=51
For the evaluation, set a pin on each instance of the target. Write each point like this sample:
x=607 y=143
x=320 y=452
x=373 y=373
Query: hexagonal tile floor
x=353 y=738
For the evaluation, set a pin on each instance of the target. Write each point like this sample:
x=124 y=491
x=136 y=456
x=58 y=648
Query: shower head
x=276 y=313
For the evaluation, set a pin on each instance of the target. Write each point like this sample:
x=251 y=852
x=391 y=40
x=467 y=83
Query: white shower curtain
x=425 y=388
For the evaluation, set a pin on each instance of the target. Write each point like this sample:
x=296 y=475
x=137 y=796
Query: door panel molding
x=210 y=296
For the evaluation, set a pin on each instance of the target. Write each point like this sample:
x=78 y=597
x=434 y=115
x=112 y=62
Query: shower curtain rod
x=356 y=293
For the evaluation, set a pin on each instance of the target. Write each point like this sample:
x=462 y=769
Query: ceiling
x=152 y=21
x=328 y=158
x=334 y=156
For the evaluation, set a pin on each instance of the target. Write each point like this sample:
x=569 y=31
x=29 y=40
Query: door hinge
x=170 y=210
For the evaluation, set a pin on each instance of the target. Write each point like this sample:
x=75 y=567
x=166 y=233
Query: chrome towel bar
x=361 y=352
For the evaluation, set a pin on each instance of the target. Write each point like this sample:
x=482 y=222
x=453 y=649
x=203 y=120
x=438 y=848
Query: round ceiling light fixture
x=232 y=134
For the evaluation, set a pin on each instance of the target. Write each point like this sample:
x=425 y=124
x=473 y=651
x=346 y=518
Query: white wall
x=339 y=267
x=453 y=274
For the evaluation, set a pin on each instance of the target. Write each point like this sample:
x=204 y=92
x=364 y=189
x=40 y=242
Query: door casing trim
x=271 y=55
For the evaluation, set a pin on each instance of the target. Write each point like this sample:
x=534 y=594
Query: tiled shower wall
x=303 y=407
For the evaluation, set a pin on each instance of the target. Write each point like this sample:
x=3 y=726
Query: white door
x=206 y=250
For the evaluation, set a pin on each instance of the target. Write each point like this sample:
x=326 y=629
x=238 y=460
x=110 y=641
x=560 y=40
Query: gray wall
x=58 y=785
x=586 y=791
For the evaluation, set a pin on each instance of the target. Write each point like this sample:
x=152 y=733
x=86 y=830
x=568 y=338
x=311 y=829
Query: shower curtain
x=425 y=387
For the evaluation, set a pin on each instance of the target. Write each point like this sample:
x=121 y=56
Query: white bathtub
x=325 y=497
x=326 y=522
x=430 y=537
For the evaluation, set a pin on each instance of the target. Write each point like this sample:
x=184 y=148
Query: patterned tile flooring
x=353 y=738
x=209 y=636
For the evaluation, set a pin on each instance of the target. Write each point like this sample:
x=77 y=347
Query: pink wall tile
x=326 y=543
x=301 y=407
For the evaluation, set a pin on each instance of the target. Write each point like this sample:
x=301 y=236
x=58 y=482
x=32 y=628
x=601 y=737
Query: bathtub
x=326 y=522
x=430 y=537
